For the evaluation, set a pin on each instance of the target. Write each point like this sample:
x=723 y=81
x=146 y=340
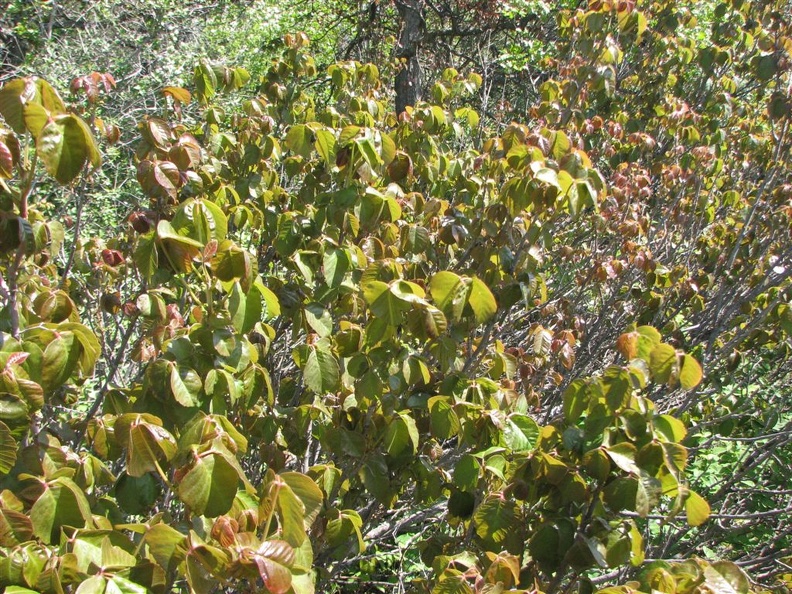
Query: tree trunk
x=413 y=26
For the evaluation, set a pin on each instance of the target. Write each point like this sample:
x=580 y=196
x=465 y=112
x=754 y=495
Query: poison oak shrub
x=338 y=346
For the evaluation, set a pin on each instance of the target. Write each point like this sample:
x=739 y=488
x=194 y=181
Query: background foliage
x=260 y=332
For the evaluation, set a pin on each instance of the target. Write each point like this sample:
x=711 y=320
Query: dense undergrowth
x=333 y=349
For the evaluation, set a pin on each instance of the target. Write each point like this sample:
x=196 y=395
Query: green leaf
x=238 y=305
x=690 y=373
x=621 y=494
x=450 y=293
x=617 y=387
x=185 y=385
x=675 y=457
x=60 y=360
x=117 y=584
x=369 y=152
x=576 y=400
x=388 y=151
x=335 y=265
x=55 y=306
x=618 y=552
x=205 y=81
x=269 y=300
x=347 y=134
x=65 y=145
x=36 y=118
x=343 y=524
x=319 y=319
x=146 y=442
x=95 y=584
x=724 y=577
x=443 y=419
x=179 y=251
x=15 y=527
x=13 y=96
x=209 y=487
x=396 y=437
x=766 y=67
x=201 y=220
x=49 y=97
x=408 y=292
x=560 y=145
x=663 y=362
x=669 y=428
x=326 y=146
x=321 y=372
x=14 y=412
x=136 y=495
x=452 y=582
x=61 y=504
x=376 y=479
x=89 y=345
x=308 y=493
x=145 y=256
x=384 y=303
x=466 y=473
x=637 y=554
x=415 y=239
x=697 y=509
x=548 y=176
x=299 y=140
x=497 y=522
x=401 y=432
x=115 y=557
x=8 y=449
x=232 y=263
x=167 y=545
x=433 y=321
x=290 y=510
x=648 y=339
x=461 y=504
x=623 y=456
x=520 y=433
x=482 y=301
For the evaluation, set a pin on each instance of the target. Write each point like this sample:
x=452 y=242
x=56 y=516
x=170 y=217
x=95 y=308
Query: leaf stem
x=277 y=487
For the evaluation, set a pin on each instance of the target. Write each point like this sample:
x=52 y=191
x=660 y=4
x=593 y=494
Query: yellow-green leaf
x=697 y=509
x=662 y=362
x=65 y=145
x=690 y=373
x=482 y=301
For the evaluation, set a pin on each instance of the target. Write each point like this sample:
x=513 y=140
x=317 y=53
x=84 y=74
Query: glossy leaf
x=65 y=145
x=210 y=485
x=61 y=504
x=8 y=449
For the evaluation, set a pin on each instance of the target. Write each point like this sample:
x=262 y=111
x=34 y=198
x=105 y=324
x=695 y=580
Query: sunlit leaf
x=65 y=145
x=61 y=504
x=8 y=449
x=274 y=558
x=321 y=373
x=697 y=509
x=209 y=486
x=481 y=300
x=663 y=362
x=690 y=373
